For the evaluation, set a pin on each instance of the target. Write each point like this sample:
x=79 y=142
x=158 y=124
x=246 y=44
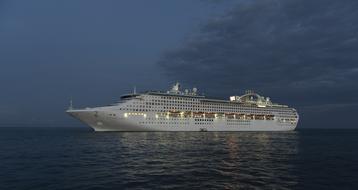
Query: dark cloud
x=301 y=52
x=90 y=50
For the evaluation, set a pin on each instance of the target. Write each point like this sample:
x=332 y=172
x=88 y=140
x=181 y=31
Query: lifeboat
x=198 y=114
x=210 y=115
x=230 y=115
x=249 y=116
x=260 y=117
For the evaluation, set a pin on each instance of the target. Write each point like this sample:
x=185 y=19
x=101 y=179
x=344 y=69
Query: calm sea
x=77 y=158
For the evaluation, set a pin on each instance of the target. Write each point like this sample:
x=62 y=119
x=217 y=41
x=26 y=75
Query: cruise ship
x=177 y=110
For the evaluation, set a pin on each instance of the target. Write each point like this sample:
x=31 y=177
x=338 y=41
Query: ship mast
x=71 y=104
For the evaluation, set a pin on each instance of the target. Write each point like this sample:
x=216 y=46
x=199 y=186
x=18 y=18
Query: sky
x=298 y=52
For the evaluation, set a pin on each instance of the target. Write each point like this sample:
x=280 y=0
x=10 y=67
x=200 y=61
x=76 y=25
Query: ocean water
x=78 y=158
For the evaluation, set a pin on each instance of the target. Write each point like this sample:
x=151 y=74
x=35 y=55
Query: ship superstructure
x=177 y=110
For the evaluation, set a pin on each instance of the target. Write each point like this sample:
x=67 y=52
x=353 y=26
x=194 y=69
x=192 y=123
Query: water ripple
x=80 y=159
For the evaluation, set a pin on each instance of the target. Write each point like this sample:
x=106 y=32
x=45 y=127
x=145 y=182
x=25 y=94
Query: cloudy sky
x=298 y=52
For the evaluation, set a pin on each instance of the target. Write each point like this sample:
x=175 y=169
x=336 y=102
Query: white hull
x=107 y=120
x=188 y=111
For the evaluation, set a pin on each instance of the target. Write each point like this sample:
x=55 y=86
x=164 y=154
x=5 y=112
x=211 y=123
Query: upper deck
x=250 y=98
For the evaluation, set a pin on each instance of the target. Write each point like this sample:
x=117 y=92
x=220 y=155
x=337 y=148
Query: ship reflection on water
x=210 y=160
x=60 y=158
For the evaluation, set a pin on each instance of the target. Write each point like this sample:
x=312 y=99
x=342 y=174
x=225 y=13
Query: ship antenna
x=134 y=90
x=71 y=104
